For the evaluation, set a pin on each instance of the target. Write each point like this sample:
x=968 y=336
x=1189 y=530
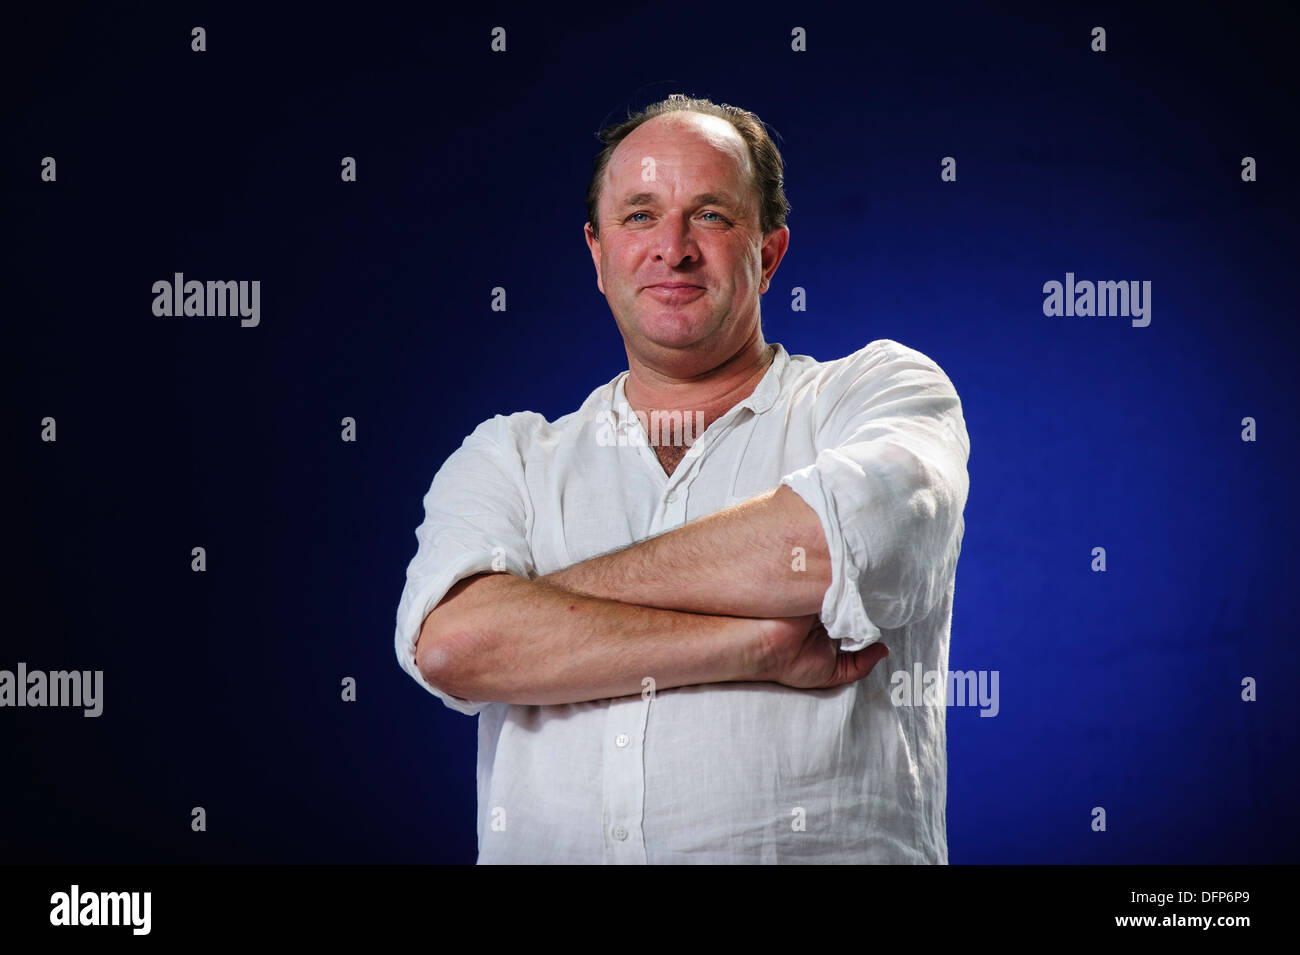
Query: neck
x=714 y=391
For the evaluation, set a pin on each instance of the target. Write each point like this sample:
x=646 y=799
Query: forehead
x=685 y=142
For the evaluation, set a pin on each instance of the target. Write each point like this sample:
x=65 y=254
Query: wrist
x=759 y=653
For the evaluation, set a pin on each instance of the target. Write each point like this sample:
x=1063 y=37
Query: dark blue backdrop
x=222 y=689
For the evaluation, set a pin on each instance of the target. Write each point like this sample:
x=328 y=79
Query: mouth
x=674 y=293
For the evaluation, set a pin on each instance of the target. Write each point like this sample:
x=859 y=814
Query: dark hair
x=768 y=167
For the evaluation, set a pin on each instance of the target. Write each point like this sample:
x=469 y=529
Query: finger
x=856 y=665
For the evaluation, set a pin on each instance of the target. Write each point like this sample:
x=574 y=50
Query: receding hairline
x=720 y=133
x=722 y=139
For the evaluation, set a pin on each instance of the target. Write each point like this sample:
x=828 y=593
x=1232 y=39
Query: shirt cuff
x=843 y=613
x=417 y=603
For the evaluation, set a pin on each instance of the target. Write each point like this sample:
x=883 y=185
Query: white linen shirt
x=747 y=772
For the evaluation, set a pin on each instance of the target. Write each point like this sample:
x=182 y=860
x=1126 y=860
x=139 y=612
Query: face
x=681 y=256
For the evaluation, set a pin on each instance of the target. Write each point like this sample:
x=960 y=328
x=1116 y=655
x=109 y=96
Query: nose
x=674 y=243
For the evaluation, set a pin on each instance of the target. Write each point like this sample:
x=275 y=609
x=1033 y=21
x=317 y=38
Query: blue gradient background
x=1119 y=690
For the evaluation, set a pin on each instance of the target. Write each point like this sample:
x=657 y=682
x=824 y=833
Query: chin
x=674 y=329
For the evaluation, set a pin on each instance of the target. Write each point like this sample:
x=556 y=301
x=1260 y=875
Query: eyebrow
x=704 y=199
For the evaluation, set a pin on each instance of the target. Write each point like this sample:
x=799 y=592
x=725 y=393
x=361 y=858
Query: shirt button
x=621 y=739
x=620 y=833
x=672 y=496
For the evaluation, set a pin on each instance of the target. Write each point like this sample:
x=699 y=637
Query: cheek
x=622 y=266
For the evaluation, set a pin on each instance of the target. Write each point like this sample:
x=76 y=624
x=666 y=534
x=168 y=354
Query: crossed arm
x=717 y=600
x=739 y=562
x=736 y=595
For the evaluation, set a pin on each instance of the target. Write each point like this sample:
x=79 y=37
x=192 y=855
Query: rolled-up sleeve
x=476 y=519
x=889 y=485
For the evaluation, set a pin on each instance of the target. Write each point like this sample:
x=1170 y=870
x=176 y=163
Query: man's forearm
x=766 y=557
x=511 y=640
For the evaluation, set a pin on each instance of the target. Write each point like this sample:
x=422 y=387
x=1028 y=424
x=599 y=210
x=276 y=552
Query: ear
x=593 y=244
x=773 y=251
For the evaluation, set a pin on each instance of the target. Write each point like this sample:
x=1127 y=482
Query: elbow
x=935 y=505
x=438 y=659
x=454 y=652
x=920 y=565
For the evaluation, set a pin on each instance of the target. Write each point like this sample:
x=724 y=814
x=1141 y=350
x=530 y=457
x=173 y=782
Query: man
x=670 y=643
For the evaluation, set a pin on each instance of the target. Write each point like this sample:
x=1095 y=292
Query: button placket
x=679 y=483
x=624 y=781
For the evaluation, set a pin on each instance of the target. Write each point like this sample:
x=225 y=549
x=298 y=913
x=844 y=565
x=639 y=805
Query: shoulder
x=525 y=432
x=877 y=360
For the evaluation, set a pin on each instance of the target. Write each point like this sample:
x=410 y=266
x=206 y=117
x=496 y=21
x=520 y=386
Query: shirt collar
x=759 y=400
x=765 y=395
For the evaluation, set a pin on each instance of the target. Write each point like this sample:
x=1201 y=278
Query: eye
x=720 y=218
x=629 y=218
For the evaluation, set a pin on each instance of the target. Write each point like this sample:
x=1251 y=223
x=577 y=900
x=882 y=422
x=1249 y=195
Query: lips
x=674 y=293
